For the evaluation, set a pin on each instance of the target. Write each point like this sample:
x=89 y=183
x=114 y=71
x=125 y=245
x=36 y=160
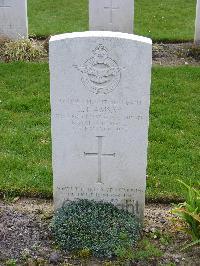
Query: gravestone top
x=100 y=34
x=111 y=15
x=13 y=19
x=100 y=95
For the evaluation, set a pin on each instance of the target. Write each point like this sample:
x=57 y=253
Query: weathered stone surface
x=111 y=15
x=13 y=19
x=100 y=95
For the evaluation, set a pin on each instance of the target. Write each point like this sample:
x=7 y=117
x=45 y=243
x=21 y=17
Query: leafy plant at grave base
x=164 y=238
x=84 y=253
x=11 y=262
x=96 y=227
x=145 y=250
x=189 y=212
x=23 y=50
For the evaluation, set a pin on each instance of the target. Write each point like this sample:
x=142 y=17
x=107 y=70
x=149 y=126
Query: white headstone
x=100 y=96
x=111 y=15
x=197 y=26
x=13 y=19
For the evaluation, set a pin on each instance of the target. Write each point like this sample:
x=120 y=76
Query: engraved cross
x=111 y=8
x=99 y=155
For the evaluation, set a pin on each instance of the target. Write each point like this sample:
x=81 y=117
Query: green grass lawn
x=25 y=151
x=174 y=136
x=160 y=19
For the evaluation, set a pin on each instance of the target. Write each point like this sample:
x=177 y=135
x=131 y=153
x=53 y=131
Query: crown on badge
x=100 y=50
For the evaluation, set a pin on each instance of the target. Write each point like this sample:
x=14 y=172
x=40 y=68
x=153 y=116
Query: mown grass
x=166 y=20
x=174 y=135
x=25 y=142
x=25 y=149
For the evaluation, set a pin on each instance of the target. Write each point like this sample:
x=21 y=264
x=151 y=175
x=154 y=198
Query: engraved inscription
x=111 y=8
x=101 y=115
x=5 y=3
x=99 y=154
x=123 y=198
x=100 y=73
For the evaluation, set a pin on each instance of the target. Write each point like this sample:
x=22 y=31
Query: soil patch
x=164 y=54
x=175 y=54
x=26 y=236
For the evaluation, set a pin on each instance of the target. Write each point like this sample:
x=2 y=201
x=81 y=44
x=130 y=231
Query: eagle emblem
x=100 y=73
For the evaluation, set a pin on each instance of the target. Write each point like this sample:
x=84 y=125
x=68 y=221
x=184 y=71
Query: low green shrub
x=100 y=228
x=23 y=50
x=189 y=212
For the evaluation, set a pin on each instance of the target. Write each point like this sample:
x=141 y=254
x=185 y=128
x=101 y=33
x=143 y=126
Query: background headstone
x=13 y=19
x=197 y=26
x=111 y=15
x=100 y=96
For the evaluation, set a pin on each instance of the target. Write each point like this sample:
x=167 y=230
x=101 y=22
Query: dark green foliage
x=99 y=227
